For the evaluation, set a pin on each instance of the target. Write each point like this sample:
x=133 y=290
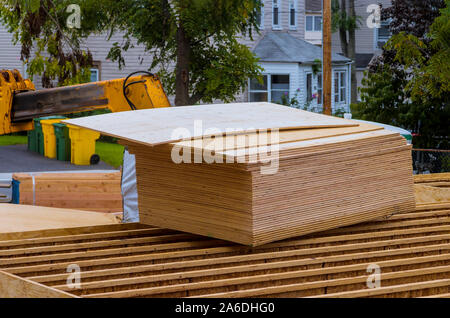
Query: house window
x=260 y=17
x=276 y=14
x=293 y=14
x=272 y=88
x=382 y=34
x=279 y=85
x=95 y=75
x=95 y=71
x=313 y=23
x=258 y=91
x=340 y=87
x=319 y=89
x=309 y=83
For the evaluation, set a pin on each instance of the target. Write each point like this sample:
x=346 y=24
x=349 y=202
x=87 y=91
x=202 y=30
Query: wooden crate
x=99 y=192
x=133 y=260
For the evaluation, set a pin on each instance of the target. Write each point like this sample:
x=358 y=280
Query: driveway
x=17 y=158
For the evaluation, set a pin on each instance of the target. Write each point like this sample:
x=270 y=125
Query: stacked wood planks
x=322 y=175
x=411 y=249
x=93 y=191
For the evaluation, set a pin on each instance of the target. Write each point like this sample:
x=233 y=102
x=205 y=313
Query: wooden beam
x=326 y=47
x=12 y=286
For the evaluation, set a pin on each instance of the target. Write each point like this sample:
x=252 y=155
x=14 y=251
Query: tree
x=39 y=26
x=193 y=42
x=345 y=21
x=407 y=85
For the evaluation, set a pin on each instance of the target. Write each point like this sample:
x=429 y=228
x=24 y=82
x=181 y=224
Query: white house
x=291 y=69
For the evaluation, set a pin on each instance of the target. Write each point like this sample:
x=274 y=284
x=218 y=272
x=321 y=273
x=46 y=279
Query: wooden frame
x=133 y=260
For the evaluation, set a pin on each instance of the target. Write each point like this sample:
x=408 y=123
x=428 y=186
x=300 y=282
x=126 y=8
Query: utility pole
x=326 y=58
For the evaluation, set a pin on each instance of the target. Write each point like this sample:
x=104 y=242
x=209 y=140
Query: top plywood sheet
x=173 y=124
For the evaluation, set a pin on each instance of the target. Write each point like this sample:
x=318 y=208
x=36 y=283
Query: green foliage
x=429 y=61
x=383 y=98
x=316 y=66
x=340 y=19
x=218 y=65
x=48 y=46
x=409 y=86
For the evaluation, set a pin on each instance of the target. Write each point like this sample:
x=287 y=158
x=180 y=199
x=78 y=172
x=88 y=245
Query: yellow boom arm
x=20 y=102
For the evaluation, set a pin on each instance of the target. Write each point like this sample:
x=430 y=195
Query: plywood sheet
x=287 y=136
x=426 y=194
x=20 y=218
x=159 y=125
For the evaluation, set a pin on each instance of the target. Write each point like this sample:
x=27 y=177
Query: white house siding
x=136 y=59
x=9 y=53
x=298 y=32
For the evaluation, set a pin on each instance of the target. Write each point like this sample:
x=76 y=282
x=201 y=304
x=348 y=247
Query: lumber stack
x=319 y=185
x=320 y=177
x=93 y=191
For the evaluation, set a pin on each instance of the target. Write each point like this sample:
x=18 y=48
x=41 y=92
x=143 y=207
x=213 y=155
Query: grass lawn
x=110 y=153
x=13 y=140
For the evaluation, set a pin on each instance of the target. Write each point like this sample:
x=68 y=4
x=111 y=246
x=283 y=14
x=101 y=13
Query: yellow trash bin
x=82 y=144
x=49 y=136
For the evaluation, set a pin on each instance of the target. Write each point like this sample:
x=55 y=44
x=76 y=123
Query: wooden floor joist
x=411 y=249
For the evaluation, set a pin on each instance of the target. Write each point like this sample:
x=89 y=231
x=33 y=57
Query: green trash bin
x=40 y=134
x=62 y=142
x=32 y=141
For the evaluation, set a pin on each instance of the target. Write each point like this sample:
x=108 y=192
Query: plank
x=22 y=218
x=12 y=286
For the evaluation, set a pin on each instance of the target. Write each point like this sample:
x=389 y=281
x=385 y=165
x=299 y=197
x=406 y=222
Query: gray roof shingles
x=283 y=47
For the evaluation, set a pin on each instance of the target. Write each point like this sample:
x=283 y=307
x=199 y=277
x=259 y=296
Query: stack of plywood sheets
x=90 y=191
x=254 y=187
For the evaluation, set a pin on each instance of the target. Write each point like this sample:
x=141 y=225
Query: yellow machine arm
x=20 y=102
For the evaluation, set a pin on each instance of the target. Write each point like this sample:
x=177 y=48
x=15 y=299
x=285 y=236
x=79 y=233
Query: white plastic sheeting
x=129 y=189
